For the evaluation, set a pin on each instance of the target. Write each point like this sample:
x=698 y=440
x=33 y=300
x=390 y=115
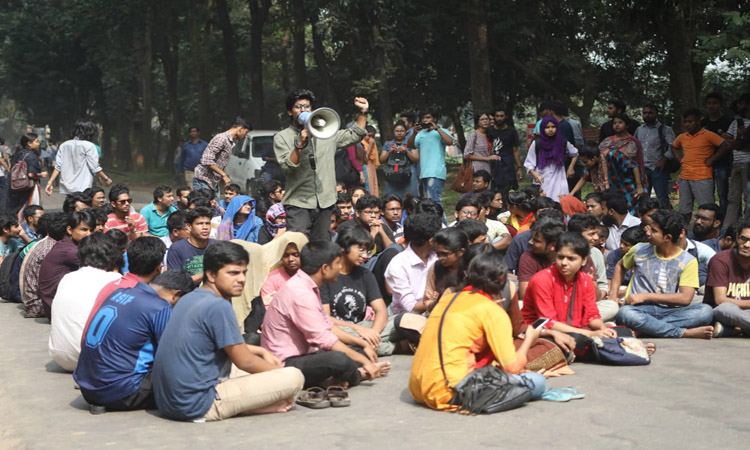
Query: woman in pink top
x=279 y=276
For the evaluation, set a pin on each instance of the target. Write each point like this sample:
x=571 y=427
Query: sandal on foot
x=338 y=396
x=314 y=397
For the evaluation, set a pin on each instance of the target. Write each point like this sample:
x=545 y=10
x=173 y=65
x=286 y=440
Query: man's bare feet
x=699 y=332
x=650 y=348
x=384 y=366
x=281 y=406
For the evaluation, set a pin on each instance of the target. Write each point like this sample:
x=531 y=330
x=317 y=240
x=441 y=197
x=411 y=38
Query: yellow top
x=474 y=323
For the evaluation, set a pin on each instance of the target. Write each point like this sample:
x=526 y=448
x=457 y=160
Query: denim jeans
x=200 y=184
x=433 y=188
x=4 y=193
x=659 y=182
x=538 y=381
x=721 y=182
x=661 y=321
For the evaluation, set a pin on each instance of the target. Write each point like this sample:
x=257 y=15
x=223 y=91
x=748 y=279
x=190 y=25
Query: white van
x=246 y=162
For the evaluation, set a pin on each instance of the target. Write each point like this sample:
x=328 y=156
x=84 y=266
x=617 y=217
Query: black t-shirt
x=503 y=142
x=719 y=126
x=350 y=294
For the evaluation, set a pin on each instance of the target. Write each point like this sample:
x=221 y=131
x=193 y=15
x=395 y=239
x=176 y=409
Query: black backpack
x=345 y=171
x=397 y=169
x=8 y=290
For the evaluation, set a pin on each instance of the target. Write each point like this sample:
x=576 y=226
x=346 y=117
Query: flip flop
x=314 y=397
x=562 y=394
x=338 y=396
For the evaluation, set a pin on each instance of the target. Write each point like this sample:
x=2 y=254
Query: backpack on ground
x=397 y=169
x=7 y=289
x=345 y=171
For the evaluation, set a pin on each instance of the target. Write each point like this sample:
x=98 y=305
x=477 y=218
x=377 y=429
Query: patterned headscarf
x=275 y=211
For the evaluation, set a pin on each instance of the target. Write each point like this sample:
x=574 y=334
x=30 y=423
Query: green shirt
x=306 y=188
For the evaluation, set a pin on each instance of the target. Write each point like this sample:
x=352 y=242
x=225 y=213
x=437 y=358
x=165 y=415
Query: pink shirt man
x=295 y=323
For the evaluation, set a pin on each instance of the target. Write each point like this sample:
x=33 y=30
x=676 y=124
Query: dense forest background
x=145 y=70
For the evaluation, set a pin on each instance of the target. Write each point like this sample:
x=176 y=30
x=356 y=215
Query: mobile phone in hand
x=539 y=323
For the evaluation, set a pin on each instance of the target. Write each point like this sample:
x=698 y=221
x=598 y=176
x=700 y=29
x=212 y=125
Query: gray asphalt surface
x=693 y=395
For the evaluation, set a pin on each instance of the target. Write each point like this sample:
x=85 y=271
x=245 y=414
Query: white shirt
x=406 y=275
x=168 y=242
x=615 y=232
x=75 y=297
x=78 y=162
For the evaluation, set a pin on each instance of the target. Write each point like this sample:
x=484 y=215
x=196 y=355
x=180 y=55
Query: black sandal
x=314 y=397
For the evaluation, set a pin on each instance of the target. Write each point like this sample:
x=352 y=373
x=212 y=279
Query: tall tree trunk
x=145 y=62
x=197 y=17
x=286 y=82
x=258 y=14
x=298 y=42
x=124 y=157
x=385 y=109
x=479 y=61
x=170 y=57
x=680 y=41
x=458 y=126
x=230 y=58
x=330 y=97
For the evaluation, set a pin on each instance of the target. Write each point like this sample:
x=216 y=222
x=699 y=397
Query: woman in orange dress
x=474 y=323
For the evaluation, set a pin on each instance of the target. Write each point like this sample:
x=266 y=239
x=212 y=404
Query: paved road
x=693 y=395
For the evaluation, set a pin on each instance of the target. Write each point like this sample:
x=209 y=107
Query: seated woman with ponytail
x=473 y=324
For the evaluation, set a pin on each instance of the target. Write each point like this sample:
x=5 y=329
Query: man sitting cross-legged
x=114 y=368
x=300 y=333
x=192 y=378
x=728 y=285
x=76 y=295
x=663 y=284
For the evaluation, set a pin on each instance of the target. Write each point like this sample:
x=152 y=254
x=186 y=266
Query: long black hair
x=453 y=240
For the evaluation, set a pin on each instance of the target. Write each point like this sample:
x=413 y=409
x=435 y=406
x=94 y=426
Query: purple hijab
x=551 y=149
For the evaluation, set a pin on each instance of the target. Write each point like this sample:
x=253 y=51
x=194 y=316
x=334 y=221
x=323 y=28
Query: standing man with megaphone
x=305 y=151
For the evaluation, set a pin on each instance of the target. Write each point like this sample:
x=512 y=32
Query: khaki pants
x=189 y=175
x=244 y=392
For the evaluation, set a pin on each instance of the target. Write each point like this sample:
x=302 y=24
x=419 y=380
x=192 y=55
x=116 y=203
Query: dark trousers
x=313 y=223
x=322 y=365
x=143 y=398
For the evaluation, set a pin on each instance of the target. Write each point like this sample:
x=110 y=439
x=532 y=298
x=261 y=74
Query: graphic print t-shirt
x=185 y=256
x=725 y=271
x=350 y=294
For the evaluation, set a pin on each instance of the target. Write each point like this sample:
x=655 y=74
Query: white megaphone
x=322 y=123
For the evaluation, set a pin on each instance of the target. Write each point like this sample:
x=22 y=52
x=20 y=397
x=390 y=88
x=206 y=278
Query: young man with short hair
x=63 y=258
x=187 y=254
x=475 y=230
x=210 y=171
x=177 y=230
x=55 y=227
x=656 y=139
x=505 y=143
x=466 y=208
x=707 y=226
x=9 y=235
x=31 y=215
x=430 y=140
x=588 y=227
x=697 y=149
x=658 y=301
x=521 y=241
x=191 y=377
x=182 y=194
x=117 y=354
x=717 y=122
x=302 y=335
x=541 y=252
x=144 y=262
x=76 y=201
x=192 y=151
x=728 y=285
x=479 y=183
x=230 y=192
x=618 y=219
x=311 y=179
x=367 y=216
x=122 y=218
x=406 y=275
x=157 y=212
x=98 y=197
x=76 y=295
x=391 y=218
x=615 y=106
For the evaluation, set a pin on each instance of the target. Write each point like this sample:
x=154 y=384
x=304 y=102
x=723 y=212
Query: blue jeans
x=721 y=182
x=659 y=182
x=4 y=193
x=660 y=321
x=537 y=380
x=433 y=188
x=200 y=184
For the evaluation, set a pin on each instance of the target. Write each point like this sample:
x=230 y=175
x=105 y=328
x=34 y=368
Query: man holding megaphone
x=305 y=151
